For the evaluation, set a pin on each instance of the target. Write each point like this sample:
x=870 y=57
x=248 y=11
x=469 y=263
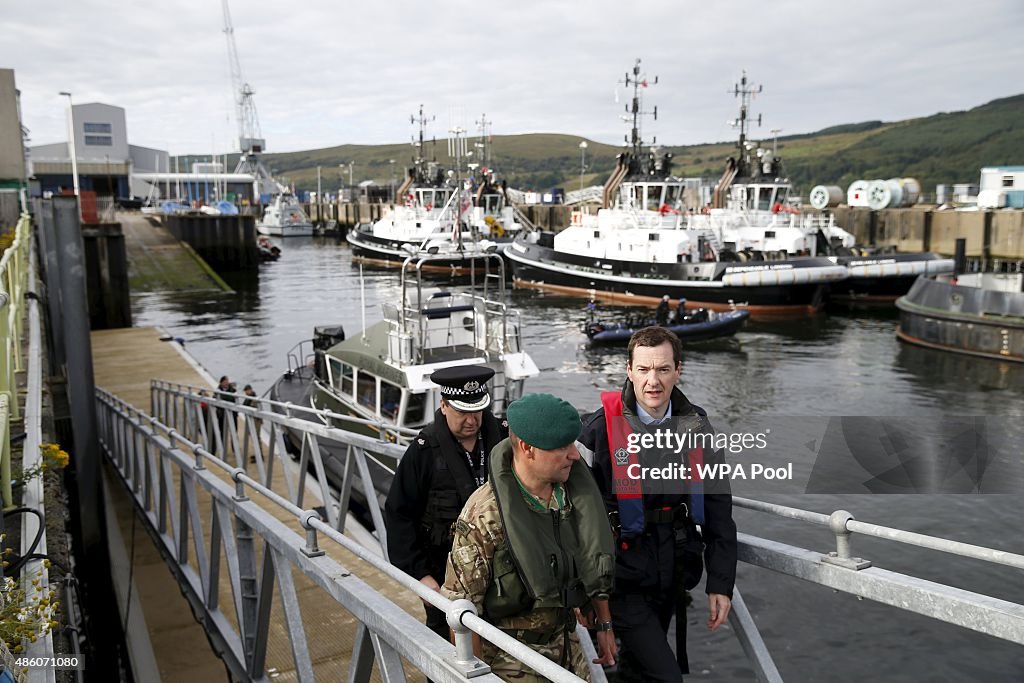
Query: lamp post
x=391 y=162
x=71 y=141
x=775 y=141
x=583 y=161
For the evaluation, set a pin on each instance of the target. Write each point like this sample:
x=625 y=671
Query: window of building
x=99 y=140
x=1007 y=181
x=97 y=128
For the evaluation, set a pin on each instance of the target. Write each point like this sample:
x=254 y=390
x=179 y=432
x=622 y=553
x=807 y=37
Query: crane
x=250 y=139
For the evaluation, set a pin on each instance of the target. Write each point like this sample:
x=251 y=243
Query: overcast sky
x=327 y=72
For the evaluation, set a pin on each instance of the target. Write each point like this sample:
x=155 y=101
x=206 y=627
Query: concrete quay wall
x=990 y=234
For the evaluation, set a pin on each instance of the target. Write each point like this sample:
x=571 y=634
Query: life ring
x=428 y=207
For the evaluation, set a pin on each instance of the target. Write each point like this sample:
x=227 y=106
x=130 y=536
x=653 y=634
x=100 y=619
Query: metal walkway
x=164 y=461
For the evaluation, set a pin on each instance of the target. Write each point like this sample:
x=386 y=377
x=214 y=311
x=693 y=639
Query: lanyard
x=476 y=468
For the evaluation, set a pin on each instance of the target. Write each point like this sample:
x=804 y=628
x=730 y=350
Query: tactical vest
x=451 y=483
x=549 y=559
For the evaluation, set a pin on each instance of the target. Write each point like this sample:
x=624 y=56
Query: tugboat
x=430 y=217
x=752 y=213
x=284 y=217
x=381 y=375
x=978 y=314
x=640 y=246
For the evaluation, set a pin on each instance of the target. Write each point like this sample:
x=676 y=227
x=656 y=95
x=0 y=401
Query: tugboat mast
x=419 y=162
x=744 y=90
x=638 y=80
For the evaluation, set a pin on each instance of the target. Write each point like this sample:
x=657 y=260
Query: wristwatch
x=604 y=626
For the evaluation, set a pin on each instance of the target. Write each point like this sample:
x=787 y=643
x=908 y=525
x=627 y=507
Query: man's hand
x=607 y=648
x=718 y=609
x=430 y=583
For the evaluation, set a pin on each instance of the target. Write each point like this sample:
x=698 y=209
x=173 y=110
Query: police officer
x=659 y=551
x=439 y=471
x=534 y=544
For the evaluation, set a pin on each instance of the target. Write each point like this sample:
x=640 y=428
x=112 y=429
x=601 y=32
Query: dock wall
x=225 y=242
x=990 y=235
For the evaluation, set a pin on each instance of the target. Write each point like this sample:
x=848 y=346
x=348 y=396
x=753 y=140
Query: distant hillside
x=944 y=148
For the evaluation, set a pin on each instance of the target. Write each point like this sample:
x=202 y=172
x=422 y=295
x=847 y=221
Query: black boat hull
x=968 y=320
x=723 y=325
x=784 y=288
x=393 y=253
x=883 y=279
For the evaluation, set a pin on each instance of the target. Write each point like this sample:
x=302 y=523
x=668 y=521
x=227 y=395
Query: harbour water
x=847 y=364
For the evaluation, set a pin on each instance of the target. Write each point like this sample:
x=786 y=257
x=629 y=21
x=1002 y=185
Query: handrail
x=32 y=494
x=843 y=524
x=399 y=633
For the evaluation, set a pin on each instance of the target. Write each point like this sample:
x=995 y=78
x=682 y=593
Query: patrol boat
x=432 y=215
x=284 y=217
x=753 y=214
x=381 y=376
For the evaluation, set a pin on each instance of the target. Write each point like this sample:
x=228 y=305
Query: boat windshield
x=415 y=409
x=390 y=400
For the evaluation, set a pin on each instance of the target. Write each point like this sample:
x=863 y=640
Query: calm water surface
x=828 y=365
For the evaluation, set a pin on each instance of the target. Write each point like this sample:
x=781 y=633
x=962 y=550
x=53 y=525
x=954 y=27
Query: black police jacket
x=431 y=485
x=647 y=564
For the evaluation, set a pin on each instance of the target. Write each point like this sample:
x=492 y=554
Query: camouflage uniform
x=477 y=533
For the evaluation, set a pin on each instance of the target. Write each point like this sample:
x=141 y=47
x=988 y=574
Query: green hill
x=943 y=148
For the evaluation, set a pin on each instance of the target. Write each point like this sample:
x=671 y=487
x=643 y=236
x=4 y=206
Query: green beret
x=544 y=421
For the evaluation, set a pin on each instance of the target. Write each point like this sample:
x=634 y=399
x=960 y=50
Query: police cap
x=544 y=421
x=464 y=387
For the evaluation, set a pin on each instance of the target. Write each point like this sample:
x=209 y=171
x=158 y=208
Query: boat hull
x=792 y=288
x=968 y=320
x=393 y=253
x=293 y=230
x=723 y=325
x=883 y=279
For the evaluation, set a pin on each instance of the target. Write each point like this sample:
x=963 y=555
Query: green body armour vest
x=553 y=558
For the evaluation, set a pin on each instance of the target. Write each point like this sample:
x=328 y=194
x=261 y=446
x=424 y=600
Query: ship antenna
x=457 y=150
x=419 y=161
x=638 y=80
x=745 y=91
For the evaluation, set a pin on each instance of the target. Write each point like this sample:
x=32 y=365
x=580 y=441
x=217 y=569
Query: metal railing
x=841 y=570
x=150 y=456
x=14 y=267
x=35 y=570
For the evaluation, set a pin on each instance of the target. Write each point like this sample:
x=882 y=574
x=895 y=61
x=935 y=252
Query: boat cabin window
x=415 y=409
x=342 y=376
x=492 y=203
x=366 y=391
x=390 y=400
x=654 y=193
x=673 y=193
x=764 y=199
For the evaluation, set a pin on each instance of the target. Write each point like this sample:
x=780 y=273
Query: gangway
x=167 y=452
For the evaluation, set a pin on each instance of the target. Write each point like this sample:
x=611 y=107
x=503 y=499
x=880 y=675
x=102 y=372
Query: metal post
x=51 y=279
x=72 y=146
x=87 y=489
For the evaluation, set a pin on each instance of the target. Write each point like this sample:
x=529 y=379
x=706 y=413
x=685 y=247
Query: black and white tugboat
x=431 y=216
x=382 y=375
x=978 y=314
x=752 y=213
x=640 y=246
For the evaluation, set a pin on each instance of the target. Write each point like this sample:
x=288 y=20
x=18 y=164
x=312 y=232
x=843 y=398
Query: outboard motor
x=324 y=337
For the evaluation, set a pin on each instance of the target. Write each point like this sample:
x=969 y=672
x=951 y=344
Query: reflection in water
x=823 y=366
x=936 y=370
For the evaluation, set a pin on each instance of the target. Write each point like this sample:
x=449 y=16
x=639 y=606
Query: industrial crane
x=250 y=140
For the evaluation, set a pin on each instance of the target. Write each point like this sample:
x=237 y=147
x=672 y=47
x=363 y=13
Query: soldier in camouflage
x=533 y=543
